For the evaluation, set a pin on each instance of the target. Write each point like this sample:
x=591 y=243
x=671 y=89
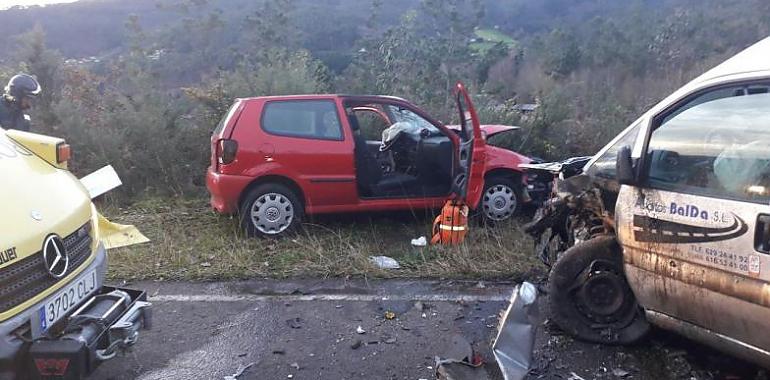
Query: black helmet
x=23 y=85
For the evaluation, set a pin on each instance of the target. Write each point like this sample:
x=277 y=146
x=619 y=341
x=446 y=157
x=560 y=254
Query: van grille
x=29 y=277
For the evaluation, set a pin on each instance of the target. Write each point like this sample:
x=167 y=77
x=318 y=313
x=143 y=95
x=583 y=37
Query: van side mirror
x=624 y=166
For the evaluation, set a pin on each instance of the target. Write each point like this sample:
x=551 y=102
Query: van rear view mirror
x=625 y=167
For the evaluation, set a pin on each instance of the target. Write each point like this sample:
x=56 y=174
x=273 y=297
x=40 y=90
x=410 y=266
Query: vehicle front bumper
x=225 y=190
x=15 y=358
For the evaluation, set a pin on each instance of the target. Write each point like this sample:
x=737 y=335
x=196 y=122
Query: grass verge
x=191 y=242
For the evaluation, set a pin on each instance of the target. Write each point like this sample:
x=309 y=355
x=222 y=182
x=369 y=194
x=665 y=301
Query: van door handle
x=762 y=234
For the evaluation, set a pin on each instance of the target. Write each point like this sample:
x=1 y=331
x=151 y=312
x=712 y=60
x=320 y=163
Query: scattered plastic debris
x=420 y=241
x=239 y=372
x=390 y=315
x=360 y=330
x=384 y=262
x=619 y=372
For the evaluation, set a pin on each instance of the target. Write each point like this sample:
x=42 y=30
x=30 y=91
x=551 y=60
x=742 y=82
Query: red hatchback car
x=275 y=159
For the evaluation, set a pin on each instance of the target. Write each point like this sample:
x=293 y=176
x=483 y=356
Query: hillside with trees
x=141 y=84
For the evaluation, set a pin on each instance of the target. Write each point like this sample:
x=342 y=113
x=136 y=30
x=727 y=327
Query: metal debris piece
x=516 y=338
x=239 y=372
x=384 y=262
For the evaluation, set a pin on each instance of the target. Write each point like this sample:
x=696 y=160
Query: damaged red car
x=276 y=159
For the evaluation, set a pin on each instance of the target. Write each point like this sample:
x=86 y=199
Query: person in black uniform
x=18 y=97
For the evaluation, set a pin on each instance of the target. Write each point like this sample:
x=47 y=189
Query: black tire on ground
x=271 y=210
x=610 y=314
x=493 y=206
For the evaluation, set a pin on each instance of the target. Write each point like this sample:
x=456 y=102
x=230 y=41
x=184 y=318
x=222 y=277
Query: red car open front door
x=471 y=156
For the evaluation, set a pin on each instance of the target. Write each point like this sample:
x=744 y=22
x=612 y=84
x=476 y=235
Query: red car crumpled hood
x=490 y=129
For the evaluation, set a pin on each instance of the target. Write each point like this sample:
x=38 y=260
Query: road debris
x=239 y=372
x=574 y=376
x=295 y=323
x=420 y=242
x=458 y=370
x=390 y=315
x=357 y=344
x=360 y=330
x=515 y=340
x=384 y=262
x=619 y=372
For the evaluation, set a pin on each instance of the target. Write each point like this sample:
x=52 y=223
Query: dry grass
x=190 y=242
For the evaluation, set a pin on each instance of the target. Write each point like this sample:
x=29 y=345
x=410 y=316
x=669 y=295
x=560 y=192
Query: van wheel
x=589 y=296
x=500 y=200
x=271 y=210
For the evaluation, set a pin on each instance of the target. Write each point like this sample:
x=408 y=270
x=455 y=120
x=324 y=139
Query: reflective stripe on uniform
x=452 y=228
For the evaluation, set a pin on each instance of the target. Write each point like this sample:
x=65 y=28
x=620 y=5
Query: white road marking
x=331 y=297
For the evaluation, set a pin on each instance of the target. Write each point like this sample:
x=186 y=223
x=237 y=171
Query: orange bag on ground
x=451 y=226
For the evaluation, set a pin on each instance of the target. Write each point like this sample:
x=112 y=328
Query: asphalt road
x=308 y=330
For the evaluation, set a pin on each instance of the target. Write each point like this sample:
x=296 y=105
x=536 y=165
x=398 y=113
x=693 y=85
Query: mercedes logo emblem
x=55 y=256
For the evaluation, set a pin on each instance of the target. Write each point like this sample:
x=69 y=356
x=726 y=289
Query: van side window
x=315 y=119
x=604 y=166
x=715 y=145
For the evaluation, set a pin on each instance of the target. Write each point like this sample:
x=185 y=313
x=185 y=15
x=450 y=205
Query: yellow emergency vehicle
x=57 y=318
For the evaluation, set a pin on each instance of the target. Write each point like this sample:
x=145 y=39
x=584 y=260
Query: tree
x=37 y=60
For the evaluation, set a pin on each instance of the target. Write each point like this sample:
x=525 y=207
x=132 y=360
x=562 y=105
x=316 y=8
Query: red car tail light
x=226 y=150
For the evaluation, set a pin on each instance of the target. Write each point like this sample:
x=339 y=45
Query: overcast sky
x=5 y=4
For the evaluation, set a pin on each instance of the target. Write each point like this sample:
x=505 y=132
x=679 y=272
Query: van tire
x=611 y=315
x=271 y=210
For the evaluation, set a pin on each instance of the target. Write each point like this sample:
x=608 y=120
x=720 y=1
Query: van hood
x=36 y=200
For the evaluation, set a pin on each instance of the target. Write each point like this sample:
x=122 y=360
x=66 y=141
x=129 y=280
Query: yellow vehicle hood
x=36 y=200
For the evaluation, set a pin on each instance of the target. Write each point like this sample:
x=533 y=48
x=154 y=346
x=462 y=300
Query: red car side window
x=314 y=119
